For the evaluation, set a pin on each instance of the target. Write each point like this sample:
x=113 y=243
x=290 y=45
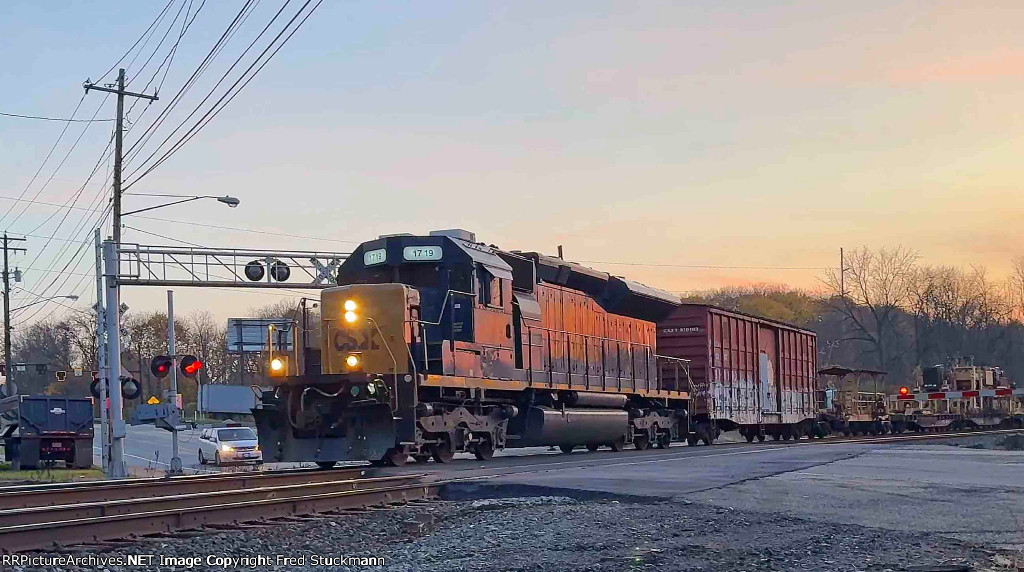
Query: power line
x=57 y=169
x=214 y=110
x=45 y=160
x=216 y=85
x=131 y=49
x=64 y=119
x=705 y=266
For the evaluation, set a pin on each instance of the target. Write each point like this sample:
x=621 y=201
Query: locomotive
x=438 y=344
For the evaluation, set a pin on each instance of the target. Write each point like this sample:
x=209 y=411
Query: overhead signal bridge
x=144 y=265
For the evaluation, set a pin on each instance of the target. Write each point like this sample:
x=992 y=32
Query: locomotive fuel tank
x=545 y=426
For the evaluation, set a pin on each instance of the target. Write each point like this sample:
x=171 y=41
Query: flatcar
x=960 y=396
x=438 y=344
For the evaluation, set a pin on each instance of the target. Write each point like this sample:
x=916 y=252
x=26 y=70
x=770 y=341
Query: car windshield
x=244 y=434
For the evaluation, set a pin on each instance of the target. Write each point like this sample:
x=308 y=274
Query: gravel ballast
x=561 y=533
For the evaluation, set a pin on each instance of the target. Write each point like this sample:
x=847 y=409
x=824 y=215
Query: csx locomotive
x=433 y=345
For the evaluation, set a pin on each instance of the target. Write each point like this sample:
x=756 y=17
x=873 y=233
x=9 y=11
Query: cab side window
x=484 y=287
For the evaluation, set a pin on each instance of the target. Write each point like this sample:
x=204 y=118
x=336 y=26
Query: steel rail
x=66 y=512
x=23 y=496
x=35 y=536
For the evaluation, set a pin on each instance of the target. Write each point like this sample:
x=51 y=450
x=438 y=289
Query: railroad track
x=38 y=517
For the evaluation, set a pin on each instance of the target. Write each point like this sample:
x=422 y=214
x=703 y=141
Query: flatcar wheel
x=642 y=442
x=395 y=457
x=664 y=441
x=483 y=450
x=567 y=448
x=592 y=447
x=617 y=444
x=443 y=452
x=421 y=458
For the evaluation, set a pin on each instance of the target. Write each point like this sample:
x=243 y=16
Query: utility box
x=40 y=428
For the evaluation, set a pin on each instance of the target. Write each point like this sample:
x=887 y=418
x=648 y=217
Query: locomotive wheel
x=663 y=441
x=617 y=444
x=642 y=442
x=592 y=447
x=567 y=448
x=421 y=458
x=484 y=450
x=395 y=457
x=691 y=440
x=443 y=452
x=707 y=438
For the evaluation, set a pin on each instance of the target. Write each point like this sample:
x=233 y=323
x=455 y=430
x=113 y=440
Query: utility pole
x=118 y=136
x=8 y=361
x=112 y=318
x=175 y=460
x=101 y=359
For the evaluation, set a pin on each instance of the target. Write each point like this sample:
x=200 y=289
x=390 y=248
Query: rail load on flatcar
x=433 y=345
x=854 y=401
x=960 y=396
x=749 y=374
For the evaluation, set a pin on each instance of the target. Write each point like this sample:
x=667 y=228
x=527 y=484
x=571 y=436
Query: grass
x=49 y=475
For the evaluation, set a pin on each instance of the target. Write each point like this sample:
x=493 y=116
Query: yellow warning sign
x=153 y=400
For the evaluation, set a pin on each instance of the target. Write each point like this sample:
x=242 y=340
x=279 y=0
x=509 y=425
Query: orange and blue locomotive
x=433 y=345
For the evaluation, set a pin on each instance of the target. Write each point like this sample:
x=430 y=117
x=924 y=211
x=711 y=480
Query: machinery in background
x=855 y=402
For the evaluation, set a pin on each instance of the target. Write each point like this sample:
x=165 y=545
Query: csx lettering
x=365 y=340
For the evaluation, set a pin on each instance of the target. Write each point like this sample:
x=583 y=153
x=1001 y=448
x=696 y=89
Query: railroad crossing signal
x=161 y=366
x=190 y=366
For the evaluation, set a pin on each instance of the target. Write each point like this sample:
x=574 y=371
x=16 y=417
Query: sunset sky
x=701 y=143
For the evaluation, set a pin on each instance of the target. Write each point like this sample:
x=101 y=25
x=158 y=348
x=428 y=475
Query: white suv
x=225 y=445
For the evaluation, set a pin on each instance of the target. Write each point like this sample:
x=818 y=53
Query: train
x=432 y=345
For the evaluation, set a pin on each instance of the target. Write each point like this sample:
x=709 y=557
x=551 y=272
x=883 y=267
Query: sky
x=687 y=145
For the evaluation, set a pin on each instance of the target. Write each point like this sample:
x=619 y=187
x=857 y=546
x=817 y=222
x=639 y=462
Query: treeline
x=887 y=311
x=884 y=311
x=70 y=342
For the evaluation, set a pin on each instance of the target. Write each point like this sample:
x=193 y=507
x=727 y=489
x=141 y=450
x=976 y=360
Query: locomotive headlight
x=350 y=316
x=352 y=360
x=350 y=305
x=276 y=364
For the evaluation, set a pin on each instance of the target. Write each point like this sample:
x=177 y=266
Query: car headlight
x=226 y=448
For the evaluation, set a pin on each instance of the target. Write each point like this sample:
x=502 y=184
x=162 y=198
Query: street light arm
x=40 y=301
x=162 y=206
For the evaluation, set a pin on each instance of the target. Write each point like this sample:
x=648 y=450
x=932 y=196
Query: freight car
x=749 y=374
x=432 y=345
x=962 y=396
x=854 y=402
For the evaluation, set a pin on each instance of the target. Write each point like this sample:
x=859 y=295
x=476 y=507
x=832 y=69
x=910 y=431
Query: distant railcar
x=749 y=374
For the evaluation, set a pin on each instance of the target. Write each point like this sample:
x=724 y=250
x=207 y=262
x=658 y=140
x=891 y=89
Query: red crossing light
x=190 y=366
x=161 y=366
x=904 y=390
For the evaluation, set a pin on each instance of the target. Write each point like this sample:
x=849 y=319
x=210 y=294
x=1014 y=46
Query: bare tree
x=870 y=294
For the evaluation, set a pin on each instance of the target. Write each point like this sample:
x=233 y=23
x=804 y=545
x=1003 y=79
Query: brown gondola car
x=432 y=345
x=749 y=373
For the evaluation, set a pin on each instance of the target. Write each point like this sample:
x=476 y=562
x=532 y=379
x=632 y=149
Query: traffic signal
x=161 y=366
x=190 y=366
x=278 y=366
